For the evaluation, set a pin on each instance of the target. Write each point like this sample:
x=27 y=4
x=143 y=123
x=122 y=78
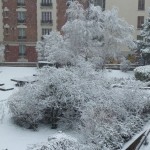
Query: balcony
x=47 y=22
x=22 y=37
x=46 y=4
x=21 y=21
x=21 y=4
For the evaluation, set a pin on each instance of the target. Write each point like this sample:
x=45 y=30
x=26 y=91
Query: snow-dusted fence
x=117 y=66
x=40 y=64
x=19 y=64
x=138 y=142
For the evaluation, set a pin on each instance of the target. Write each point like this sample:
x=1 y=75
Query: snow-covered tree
x=91 y=34
x=96 y=33
x=117 y=34
x=2 y=48
x=54 y=49
x=144 y=45
x=78 y=97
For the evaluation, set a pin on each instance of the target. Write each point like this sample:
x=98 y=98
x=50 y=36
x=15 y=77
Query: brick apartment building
x=24 y=22
x=61 y=10
x=20 y=30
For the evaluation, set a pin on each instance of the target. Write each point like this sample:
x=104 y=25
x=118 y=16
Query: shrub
x=142 y=73
x=125 y=65
x=111 y=122
x=54 y=97
x=83 y=99
x=60 y=142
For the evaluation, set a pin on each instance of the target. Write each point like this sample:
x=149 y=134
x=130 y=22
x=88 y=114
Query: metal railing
x=47 y=4
x=47 y=21
x=20 y=4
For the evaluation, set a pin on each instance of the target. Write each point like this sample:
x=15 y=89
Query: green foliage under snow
x=142 y=73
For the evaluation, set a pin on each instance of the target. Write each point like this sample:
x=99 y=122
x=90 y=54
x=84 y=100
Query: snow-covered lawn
x=13 y=137
x=118 y=74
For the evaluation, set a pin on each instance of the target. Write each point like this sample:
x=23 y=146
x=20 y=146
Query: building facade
x=20 y=30
x=24 y=22
x=46 y=17
x=133 y=11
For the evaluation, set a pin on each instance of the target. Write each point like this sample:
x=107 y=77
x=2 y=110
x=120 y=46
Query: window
x=46 y=31
x=100 y=3
x=20 y=1
x=140 y=21
x=22 y=50
x=5 y=14
x=46 y=3
x=6 y=31
x=21 y=17
x=46 y=17
x=141 y=5
x=22 y=33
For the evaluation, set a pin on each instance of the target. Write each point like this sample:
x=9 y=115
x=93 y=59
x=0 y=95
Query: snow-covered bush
x=113 y=118
x=125 y=65
x=83 y=99
x=26 y=106
x=55 y=96
x=54 y=50
x=60 y=141
x=77 y=96
x=142 y=73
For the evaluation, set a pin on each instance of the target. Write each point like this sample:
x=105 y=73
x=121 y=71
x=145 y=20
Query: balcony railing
x=47 y=4
x=47 y=22
x=21 y=21
x=22 y=37
x=20 y=4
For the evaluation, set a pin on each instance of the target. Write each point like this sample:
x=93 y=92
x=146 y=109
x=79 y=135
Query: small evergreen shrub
x=142 y=73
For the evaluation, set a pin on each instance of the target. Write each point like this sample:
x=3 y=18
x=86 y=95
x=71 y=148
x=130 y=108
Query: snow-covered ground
x=13 y=137
x=118 y=74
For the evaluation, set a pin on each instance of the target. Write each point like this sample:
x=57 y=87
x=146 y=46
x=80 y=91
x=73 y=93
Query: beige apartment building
x=133 y=11
x=46 y=17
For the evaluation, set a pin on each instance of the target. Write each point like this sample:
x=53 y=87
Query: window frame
x=140 y=21
x=46 y=16
x=141 y=4
x=46 y=31
x=22 y=50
